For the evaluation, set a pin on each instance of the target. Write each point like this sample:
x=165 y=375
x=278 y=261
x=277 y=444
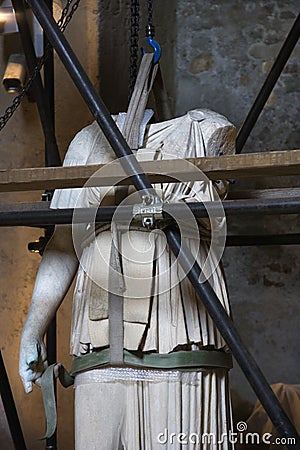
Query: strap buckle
x=149 y=211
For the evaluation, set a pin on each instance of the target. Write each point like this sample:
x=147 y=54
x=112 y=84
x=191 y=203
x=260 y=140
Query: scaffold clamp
x=149 y=211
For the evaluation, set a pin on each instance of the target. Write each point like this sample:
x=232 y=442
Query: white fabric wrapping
x=191 y=413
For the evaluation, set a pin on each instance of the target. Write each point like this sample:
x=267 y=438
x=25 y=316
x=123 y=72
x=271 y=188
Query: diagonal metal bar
x=140 y=181
x=91 y=97
x=268 y=85
x=207 y=296
x=10 y=410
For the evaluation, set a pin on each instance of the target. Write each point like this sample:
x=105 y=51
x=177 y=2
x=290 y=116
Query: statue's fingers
x=27 y=386
x=38 y=381
x=33 y=358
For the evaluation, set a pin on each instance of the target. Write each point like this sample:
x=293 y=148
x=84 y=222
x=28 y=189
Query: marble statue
x=126 y=406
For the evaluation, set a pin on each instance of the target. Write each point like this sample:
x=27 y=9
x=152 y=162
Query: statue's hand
x=32 y=361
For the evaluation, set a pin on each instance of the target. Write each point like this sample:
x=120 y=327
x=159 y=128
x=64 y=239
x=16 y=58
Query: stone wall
x=223 y=52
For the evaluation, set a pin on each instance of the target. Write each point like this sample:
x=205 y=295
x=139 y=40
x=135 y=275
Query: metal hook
x=156 y=47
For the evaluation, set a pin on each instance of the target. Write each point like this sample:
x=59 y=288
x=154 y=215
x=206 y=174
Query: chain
x=68 y=17
x=134 y=42
x=150 y=14
x=62 y=23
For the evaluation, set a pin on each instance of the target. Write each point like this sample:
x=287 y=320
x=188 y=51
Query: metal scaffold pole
x=266 y=89
x=44 y=96
x=51 y=336
x=40 y=94
x=40 y=215
x=10 y=409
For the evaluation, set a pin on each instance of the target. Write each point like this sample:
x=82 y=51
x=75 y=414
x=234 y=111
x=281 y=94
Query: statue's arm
x=56 y=272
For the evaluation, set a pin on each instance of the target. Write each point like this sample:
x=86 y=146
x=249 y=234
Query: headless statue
x=155 y=397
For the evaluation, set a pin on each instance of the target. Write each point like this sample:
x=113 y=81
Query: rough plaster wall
x=224 y=50
x=21 y=144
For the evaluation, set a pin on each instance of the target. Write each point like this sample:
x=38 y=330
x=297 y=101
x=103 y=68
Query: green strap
x=48 y=392
x=183 y=360
x=177 y=360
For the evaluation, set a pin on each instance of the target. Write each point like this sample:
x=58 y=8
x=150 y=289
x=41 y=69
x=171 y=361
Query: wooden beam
x=251 y=165
x=225 y=167
x=265 y=193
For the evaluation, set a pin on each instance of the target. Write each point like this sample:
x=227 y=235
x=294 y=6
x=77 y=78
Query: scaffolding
x=235 y=166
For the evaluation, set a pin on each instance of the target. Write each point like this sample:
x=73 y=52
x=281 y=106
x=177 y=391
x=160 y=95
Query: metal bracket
x=149 y=211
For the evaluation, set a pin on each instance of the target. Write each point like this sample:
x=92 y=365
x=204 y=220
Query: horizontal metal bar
x=39 y=213
x=246 y=206
x=263 y=239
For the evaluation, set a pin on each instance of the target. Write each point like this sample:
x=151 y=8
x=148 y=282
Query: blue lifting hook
x=157 y=49
x=154 y=44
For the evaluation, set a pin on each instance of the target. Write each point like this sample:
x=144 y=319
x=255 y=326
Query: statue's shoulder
x=81 y=145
